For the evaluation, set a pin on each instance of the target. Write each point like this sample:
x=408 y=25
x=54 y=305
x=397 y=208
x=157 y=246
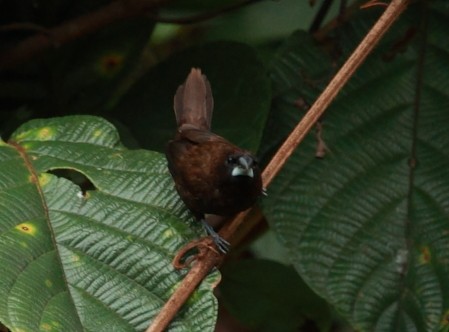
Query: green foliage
x=99 y=260
x=367 y=225
x=88 y=228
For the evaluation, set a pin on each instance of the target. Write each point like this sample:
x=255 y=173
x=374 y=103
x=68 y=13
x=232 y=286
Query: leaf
x=87 y=74
x=82 y=76
x=90 y=261
x=268 y=296
x=367 y=227
x=240 y=87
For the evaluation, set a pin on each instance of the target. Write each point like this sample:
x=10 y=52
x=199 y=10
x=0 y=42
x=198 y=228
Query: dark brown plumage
x=212 y=175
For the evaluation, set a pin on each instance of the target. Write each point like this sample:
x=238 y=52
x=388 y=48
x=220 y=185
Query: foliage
x=366 y=226
x=96 y=260
x=88 y=227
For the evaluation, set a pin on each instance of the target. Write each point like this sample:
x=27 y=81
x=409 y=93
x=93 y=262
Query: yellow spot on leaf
x=27 y=228
x=445 y=319
x=42 y=134
x=46 y=327
x=110 y=64
x=168 y=234
x=44 y=179
x=97 y=133
x=75 y=258
x=48 y=283
x=27 y=146
x=45 y=133
x=425 y=256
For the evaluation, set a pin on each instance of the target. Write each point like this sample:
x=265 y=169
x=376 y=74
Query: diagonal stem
x=210 y=258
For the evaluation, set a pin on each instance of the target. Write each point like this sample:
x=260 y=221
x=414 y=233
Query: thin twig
x=113 y=12
x=203 y=16
x=320 y=16
x=24 y=26
x=210 y=258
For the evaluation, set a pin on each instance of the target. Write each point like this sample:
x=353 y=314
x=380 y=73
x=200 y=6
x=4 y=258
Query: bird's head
x=242 y=165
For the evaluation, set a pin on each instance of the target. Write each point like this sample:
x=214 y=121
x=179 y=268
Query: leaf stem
x=210 y=258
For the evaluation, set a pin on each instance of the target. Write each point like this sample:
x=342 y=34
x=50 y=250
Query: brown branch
x=205 y=261
x=346 y=71
x=113 y=12
x=208 y=259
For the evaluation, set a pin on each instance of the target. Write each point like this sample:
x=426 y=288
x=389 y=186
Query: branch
x=320 y=16
x=113 y=12
x=203 y=16
x=335 y=85
x=208 y=258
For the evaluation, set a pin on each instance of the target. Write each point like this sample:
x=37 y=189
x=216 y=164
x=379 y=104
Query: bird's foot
x=222 y=245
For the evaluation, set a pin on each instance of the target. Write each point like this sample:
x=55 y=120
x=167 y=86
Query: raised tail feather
x=193 y=102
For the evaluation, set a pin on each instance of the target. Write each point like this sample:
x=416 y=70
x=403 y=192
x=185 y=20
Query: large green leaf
x=368 y=226
x=90 y=261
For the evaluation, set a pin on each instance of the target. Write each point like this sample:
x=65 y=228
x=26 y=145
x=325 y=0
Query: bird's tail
x=193 y=102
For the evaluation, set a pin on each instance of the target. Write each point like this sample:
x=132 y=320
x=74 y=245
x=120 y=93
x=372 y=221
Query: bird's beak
x=244 y=167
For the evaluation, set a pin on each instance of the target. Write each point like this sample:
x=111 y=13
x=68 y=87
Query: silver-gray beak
x=244 y=167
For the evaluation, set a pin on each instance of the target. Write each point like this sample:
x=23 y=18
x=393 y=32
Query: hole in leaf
x=76 y=177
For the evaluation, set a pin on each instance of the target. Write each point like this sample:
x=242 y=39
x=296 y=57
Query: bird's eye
x=232 y=160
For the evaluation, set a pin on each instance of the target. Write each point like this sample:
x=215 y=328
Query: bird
x=212 y=176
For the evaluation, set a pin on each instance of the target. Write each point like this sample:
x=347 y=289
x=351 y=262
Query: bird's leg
x=221 y=243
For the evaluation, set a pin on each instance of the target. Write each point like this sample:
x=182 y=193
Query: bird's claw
x=222 y=245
